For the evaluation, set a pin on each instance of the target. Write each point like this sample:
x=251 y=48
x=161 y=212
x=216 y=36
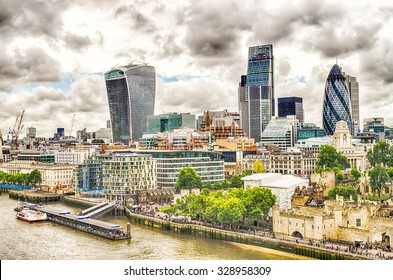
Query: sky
x=54 y=53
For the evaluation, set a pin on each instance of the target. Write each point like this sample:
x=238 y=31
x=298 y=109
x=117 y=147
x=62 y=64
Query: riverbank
x=253 y=239
x=280 y=254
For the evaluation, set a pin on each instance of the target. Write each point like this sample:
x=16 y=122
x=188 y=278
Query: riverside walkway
x=361 y=252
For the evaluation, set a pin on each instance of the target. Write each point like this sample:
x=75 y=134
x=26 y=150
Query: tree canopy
x=381 y=154
x=32 y=178
x=258 y=167
x=356 y=174
x=188 y=179
x=228 y=207
x=378 y=178
x=344 y=191
x=329 y=158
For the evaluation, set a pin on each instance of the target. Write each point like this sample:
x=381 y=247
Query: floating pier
x=85 y=223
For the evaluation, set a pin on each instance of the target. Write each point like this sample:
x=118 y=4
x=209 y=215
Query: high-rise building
x=131 y=96
x=243 y=105
x=291 y=106
x=336 y=102
x=258 y=94
x=353 y=89
x=32 y=132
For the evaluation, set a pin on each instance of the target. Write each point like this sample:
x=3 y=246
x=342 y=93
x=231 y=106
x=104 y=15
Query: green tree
x=236 y=181
x=188 y=179
x=258 y=202
x=378 y=178
x=232 y=211
x=329 y=158
x=346 y=192
x=379 y=154
x=356 y=174
x=258 y=167
x=246 y=172
x=35 y=177
x=339 y=178
x=197 y=205
x=213 y=207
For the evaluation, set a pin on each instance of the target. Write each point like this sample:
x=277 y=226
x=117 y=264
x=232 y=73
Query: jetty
x=34 y=196
x=85 y=222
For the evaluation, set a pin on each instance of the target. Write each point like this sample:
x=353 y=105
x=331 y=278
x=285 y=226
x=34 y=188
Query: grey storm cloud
x=377 y=62
x=31 y=17
x=334 y=41
x=214 y=31
x=32 y=65
x=139 y=21
x=77 y=42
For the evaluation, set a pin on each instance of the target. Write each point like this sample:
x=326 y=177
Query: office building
x=221 y=124
x=131 y=98
x=291 y=106
x=208 y=165
x=375 y=125
x=353 y=89
x=256 y=91
x=281 y=132
x=169 y=122
x=336 y=102
x=310 y=130
x=32 y=132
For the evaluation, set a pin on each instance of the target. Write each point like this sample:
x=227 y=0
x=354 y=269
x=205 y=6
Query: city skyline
x=55 y=54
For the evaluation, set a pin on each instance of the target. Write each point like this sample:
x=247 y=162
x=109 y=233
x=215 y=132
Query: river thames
x=49 y=241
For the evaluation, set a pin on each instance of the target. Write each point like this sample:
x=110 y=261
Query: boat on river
x=29 y=215
x=26 y=205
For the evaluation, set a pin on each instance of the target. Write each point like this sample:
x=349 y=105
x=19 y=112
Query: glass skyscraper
x=131 y=95
x=291 y=106
x=336 y=102
x=256 y=91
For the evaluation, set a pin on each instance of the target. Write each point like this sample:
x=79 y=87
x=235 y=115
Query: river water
x=49 y=241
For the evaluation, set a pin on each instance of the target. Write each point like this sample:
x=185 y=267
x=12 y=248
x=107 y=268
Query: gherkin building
x=336 y=101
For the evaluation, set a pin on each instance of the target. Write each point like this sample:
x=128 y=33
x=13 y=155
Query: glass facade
x=169 y=122
x=256 y=91
x=208 y=165
x=281 y=132
x=336 y=102
x=291 y=106
x=131 y=98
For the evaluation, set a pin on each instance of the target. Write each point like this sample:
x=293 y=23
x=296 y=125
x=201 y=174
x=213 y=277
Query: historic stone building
x=342 y=141
x=338 y=220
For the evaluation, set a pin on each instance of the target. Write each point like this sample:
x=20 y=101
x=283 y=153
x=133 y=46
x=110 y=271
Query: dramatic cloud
x=54 y=54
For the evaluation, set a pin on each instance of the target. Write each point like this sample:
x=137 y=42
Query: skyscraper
x=291 y=106
x=336 y=102
x=353 y=89
x=256 y=91
x=131 y=95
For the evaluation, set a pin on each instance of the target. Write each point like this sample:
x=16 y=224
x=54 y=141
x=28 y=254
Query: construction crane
x=17 y=129
x=72 y=126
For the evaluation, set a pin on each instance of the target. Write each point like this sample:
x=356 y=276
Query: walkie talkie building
x=131 y=95
x=336 y=102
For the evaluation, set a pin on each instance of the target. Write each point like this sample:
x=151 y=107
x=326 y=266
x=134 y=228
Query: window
x=358 y=222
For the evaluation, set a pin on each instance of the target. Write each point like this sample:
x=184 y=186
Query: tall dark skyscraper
x=336 y=102
x=288 y=106
x=353 y=89
x=131 y=95
x=256 y=91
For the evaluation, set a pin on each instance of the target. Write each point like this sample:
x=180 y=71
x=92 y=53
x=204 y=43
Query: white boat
x=29 y=215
